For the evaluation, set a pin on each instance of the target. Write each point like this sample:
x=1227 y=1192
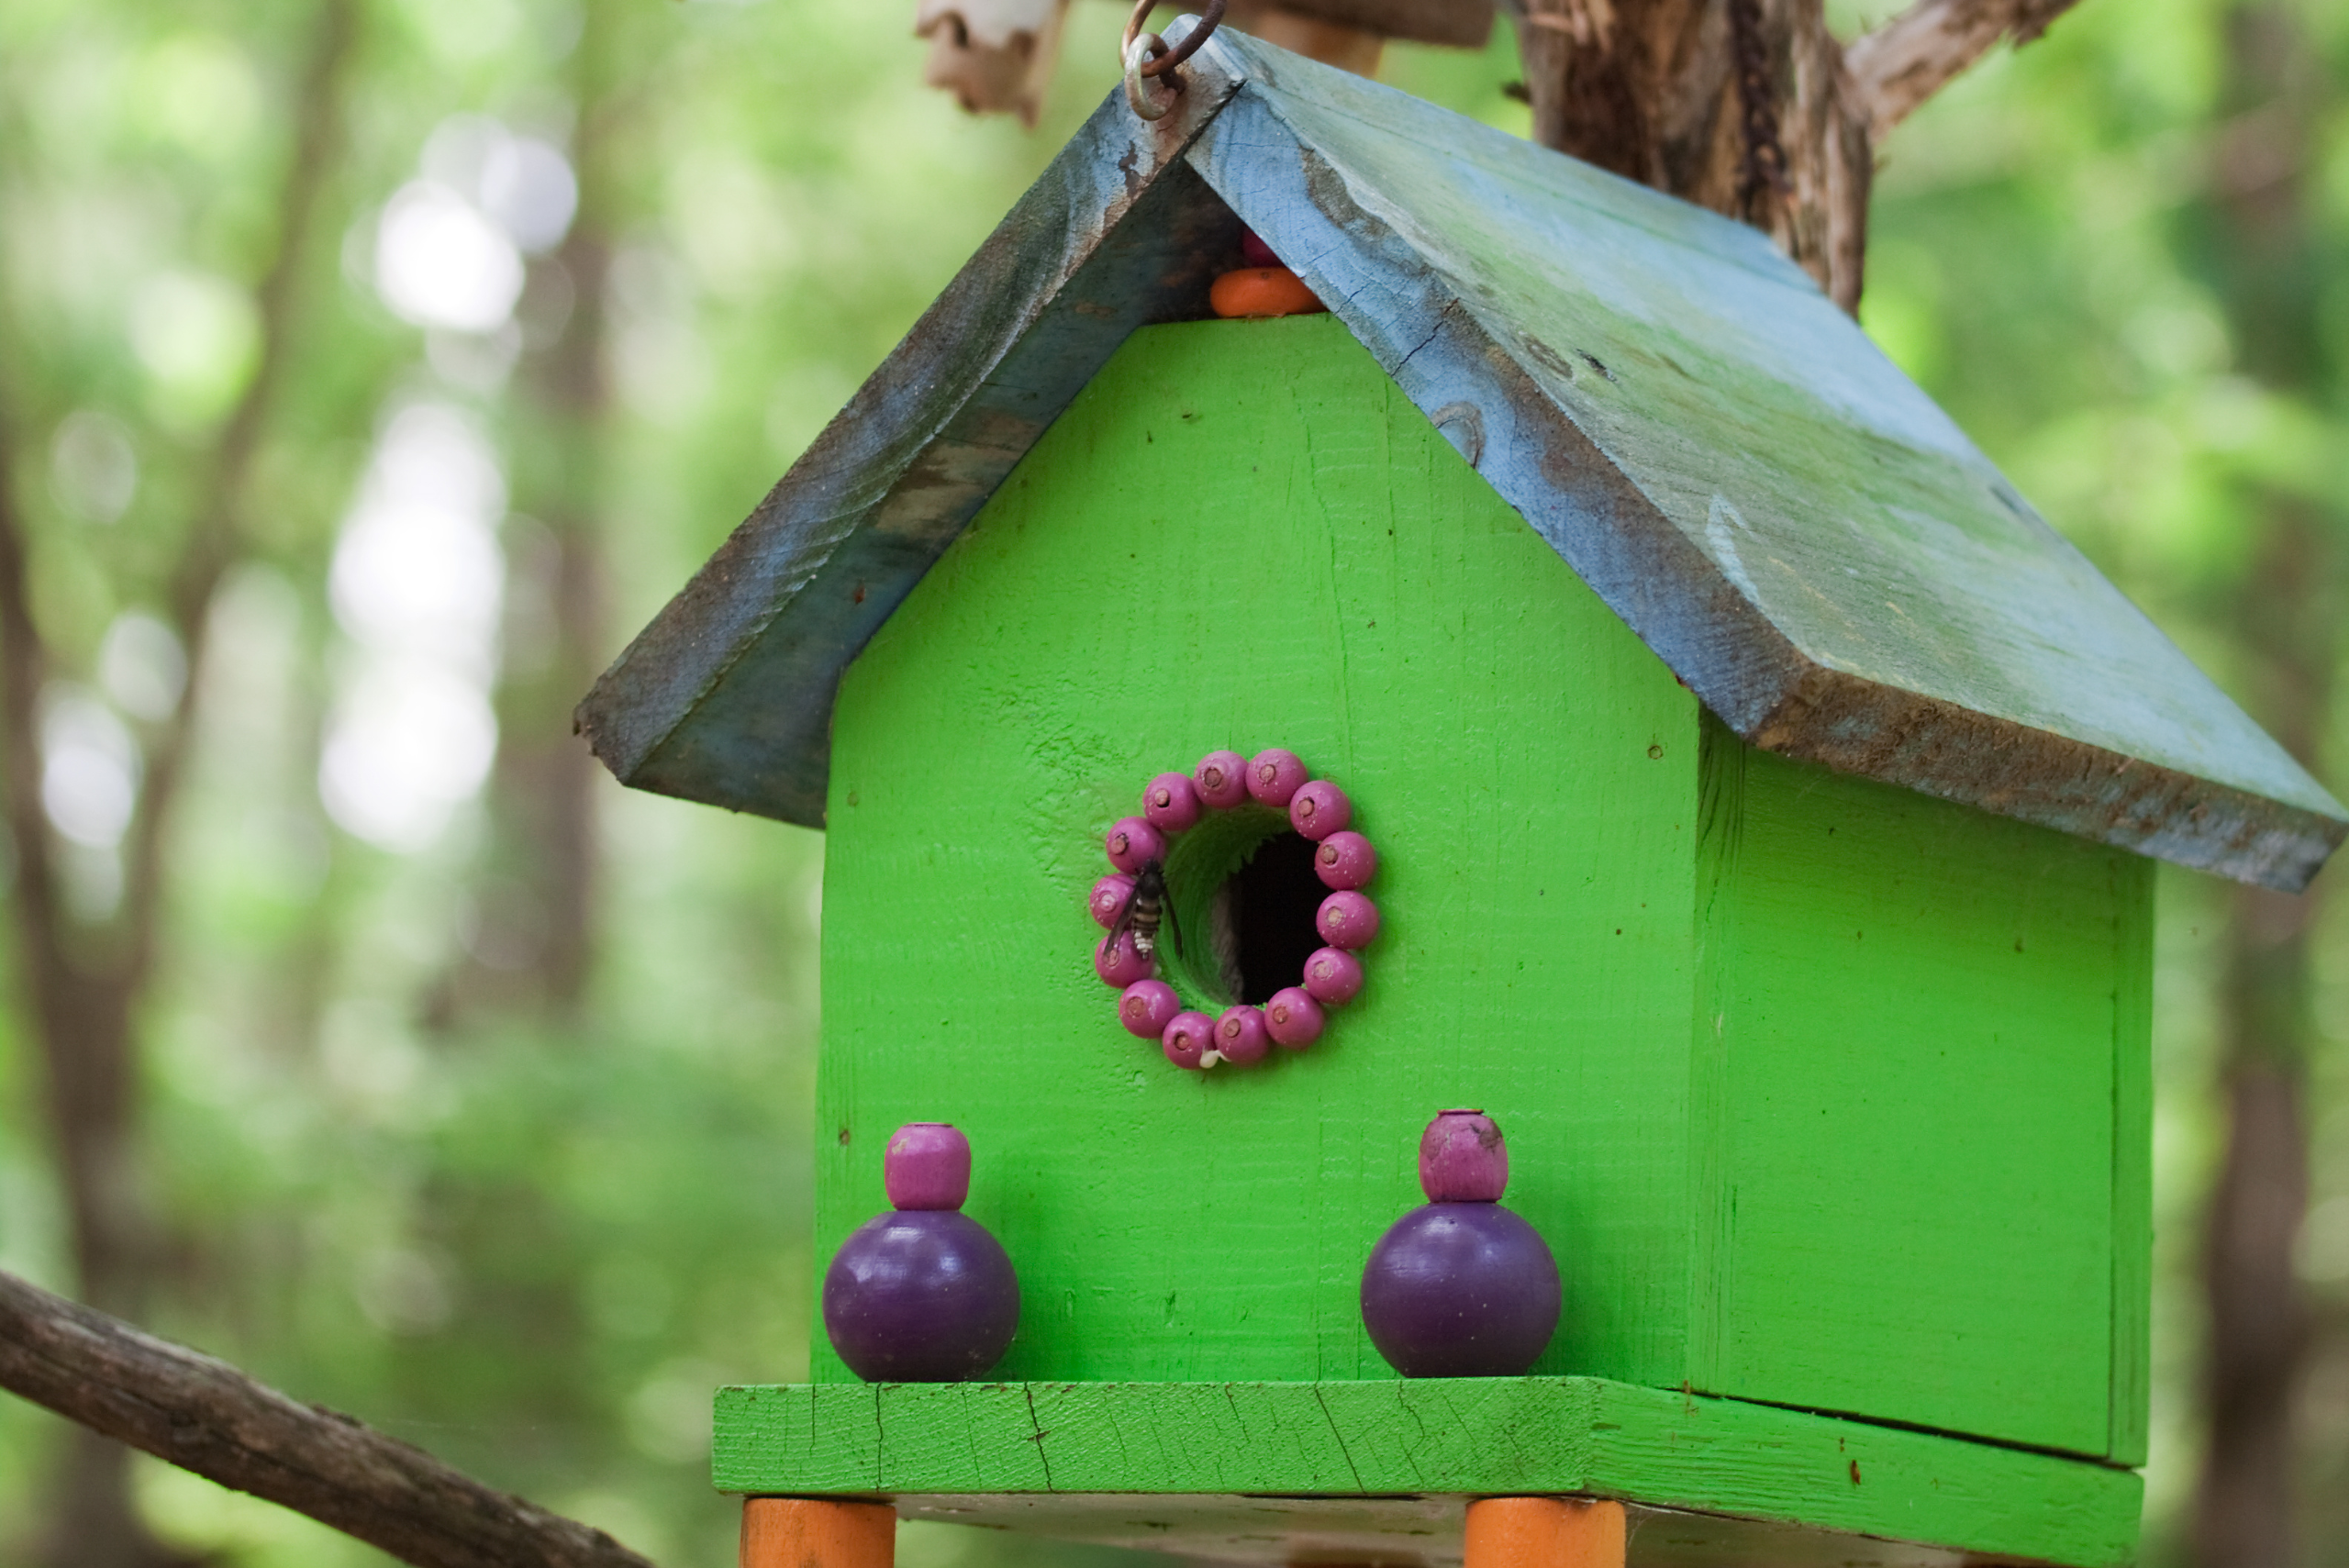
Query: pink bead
x=926 y=1166
x=1170 y=803
x=1240 y=1036
x=1463 y=1159
x=1109 y=895
x=1274 y=776
x=1319 y=809
x=1347 y=920
x=1344 y=860
x=1147 y=1006
x=1333 y=975
x=1294 y=1019
x=1222 y=779
x=1133 y=842
x=1188 y=1038
x=1122 y=967
x=1255 y=251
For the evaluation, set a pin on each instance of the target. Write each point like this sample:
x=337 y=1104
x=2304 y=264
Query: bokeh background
x=470 y=1093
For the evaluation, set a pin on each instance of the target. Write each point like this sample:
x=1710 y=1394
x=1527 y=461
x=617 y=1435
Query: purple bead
x=1319 y=809
x=1188 y=1038
x=1121 y=967
x=926 y=1166
x=1274 y=776
x=1345 y=860
x=1170 y=803
x=1254 y=251
x=1463 y=1159
x=1333 y=975
x=1240 y=1036
x=1147 y=1006
x=1133 y=842
x=1293 y=1017
x=1460 y=1290
x=1221 y=779
x=1347 y=920
x=1109 y=895
x=923 y=1296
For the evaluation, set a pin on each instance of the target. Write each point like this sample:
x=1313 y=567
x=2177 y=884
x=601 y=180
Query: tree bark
x=1750 y=107
x=539 y=912
x=2266 y=257
x=85 y=985
x=2258 y=1325
x=207 y=1416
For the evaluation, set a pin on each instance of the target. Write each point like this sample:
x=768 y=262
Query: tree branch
x=1913 y=56
x=206 y=1415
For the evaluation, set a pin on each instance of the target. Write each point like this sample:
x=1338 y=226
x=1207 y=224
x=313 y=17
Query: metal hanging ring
x=1150 y=99
x=1165 y=59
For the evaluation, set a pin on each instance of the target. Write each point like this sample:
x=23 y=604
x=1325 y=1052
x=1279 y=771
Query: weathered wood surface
x=1925 y=1042
x=1807 y=1081
x=206 y=1415
x=1718 y=452
x=1788 y=521
x=727 y=696
x=1414 y=1531
x=1431 y=1437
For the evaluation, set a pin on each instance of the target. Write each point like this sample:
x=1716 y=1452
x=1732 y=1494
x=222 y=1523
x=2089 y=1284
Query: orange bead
x=1256 y=291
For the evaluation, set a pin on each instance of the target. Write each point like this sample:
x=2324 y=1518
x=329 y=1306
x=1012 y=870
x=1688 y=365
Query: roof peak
x=1800 y=533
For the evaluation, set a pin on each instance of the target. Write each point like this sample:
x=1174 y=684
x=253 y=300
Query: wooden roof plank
x=1794 y=528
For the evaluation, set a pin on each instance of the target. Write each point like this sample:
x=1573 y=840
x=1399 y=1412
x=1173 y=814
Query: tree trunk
x=540 y=911
x=2286 y=618
x=1750 y=107
x=1739 y=106
x=85 y=984
x=2258 y=1321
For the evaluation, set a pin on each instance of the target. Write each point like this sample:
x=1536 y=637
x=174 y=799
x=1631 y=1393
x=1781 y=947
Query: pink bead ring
x=1131 y=902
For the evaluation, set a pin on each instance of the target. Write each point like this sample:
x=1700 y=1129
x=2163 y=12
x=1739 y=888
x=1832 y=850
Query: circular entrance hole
x=1269 y=904
x=1242 y=889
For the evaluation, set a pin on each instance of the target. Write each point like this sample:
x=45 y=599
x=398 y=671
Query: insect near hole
x=1263 y=919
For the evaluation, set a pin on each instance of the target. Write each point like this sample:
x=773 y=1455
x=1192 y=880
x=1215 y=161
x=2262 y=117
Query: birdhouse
x=1741 y=798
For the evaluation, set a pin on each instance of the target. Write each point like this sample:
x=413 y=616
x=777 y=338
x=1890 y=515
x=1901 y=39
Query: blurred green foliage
x=533 y=1246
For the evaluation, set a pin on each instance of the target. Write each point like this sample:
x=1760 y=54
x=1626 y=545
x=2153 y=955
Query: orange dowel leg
x=1545 y=1532
x=808 y=1532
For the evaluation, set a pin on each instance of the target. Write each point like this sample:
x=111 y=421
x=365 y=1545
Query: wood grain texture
x=1711 y=444
x=1407 y=1531
x=1789 y=522
x=726 y=697
x=2133 y=1164
x=1544 y=1532
x=1920 y=1025
x=817 y=1532
x=207 y=1416
x=1428 y=1438
x=1255 y=499
x=1810 y=1082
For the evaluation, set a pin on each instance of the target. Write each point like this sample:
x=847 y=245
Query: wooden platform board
x=1399 y=1532
x=1279 y=1472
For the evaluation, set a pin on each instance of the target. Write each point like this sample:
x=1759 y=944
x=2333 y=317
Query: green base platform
x=1376 y=1471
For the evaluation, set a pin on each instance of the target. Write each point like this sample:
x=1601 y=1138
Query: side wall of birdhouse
x=1922 y=1071
x=1732 y=1012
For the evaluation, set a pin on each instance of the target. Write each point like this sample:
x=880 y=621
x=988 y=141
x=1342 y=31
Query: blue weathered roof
x=1794 y=528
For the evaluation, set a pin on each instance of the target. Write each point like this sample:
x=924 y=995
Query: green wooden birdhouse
x=1760 y=795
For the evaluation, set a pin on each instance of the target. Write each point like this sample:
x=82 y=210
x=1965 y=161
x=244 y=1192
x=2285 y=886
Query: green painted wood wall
x=1823 y=1093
